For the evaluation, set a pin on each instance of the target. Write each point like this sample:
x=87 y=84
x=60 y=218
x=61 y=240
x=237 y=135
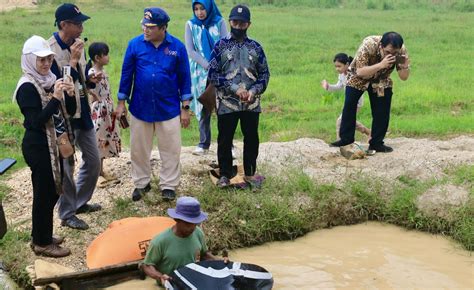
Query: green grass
x=287 y=207
x=300 y=39
x=300 y=43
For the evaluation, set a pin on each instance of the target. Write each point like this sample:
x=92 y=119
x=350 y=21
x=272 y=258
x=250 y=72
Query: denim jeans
x=205 y=129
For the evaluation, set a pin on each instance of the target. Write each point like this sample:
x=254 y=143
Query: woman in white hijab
x=45 y=108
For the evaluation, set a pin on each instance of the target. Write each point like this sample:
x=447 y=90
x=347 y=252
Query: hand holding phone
x=400 y=59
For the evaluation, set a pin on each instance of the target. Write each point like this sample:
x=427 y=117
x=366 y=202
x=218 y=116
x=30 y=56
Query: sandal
x=256 y=182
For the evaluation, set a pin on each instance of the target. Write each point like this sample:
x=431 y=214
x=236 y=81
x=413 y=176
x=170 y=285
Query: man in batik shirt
x=370 y=71
x=239 y=71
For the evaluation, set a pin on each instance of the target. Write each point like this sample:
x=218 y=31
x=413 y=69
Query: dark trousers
x=227 y=123
x=380 y=107
x=44 y=192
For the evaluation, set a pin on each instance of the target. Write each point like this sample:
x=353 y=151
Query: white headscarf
x=28 y=65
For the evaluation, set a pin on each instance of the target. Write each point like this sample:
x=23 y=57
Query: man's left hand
x=185 y=118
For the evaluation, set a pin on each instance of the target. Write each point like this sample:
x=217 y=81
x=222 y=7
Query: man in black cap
x=69 y=50
x=239 y=71
x=156 y=83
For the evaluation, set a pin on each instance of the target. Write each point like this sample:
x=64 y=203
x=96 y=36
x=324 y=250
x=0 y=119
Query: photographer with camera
x=370 y=71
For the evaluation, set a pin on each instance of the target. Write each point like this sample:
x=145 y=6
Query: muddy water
x=365 y=256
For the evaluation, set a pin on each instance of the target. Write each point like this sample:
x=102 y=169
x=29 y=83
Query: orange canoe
x=125 y=240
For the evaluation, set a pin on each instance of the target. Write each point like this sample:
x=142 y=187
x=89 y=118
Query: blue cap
x=241 y=13
x=154 y=16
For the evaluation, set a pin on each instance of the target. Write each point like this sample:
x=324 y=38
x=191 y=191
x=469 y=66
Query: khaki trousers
x=168 y=134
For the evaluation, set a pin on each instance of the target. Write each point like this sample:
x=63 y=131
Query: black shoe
x=338 y=143
x=381 y=148
x=88 y=207
x=168 y=194
x=139 y=192
x=75 y=223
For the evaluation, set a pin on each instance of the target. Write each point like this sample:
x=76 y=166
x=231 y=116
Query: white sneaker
x=200 y=151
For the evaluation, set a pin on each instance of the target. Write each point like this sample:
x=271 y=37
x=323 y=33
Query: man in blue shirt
x=238 y=69
x=156 y=83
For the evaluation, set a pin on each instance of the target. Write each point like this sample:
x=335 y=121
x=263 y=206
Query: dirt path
x=6 y=5
x=416 y=158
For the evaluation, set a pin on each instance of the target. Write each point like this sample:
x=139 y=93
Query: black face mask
x=238 y=33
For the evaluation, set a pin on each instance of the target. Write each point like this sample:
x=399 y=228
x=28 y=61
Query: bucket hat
x=188 y=209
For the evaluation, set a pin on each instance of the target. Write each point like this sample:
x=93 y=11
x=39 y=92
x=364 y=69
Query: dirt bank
x=6 y=5
x=420 y=159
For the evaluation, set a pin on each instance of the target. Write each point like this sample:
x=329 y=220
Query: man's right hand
x=243 y=94
x=121 y=109
x=388 y=61
x=76 y=51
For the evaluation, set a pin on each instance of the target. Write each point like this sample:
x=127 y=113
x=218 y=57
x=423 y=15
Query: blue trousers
x=205 y=129
x=380 y=107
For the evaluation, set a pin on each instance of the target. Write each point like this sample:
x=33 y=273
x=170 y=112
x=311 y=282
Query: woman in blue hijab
x=202 y=31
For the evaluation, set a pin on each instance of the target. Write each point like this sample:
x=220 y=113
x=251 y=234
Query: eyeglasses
x=78 y=24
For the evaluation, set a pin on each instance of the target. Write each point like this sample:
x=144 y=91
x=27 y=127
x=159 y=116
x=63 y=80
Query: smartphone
x=400 y=58
x=66 y=73
x=124 y=122
x=5 y=164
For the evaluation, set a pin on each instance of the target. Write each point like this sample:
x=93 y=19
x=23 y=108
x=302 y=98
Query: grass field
x=300 y=38
x=300 y=42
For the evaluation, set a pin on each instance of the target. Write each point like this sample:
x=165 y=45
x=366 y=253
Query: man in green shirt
x=179 y=245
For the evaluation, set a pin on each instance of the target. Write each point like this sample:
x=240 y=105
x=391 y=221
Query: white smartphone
x=67 y=73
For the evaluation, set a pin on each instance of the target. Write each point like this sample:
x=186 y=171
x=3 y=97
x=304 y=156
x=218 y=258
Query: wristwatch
x=185 y=107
